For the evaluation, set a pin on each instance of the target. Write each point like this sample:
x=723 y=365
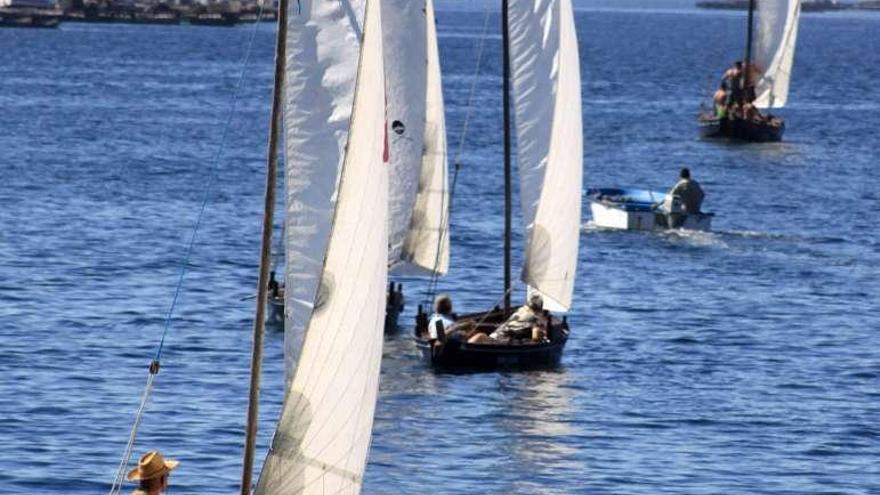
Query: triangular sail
x=776 y=29
x=427 y=243
x=417 y=138
x=547 y=97
x=323 y=48
x=323 y=436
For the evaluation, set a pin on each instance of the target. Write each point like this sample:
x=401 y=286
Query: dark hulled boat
x=453 y=352
x=763 y=131
x=394 y=304
x=765 y=76
x=540 y=59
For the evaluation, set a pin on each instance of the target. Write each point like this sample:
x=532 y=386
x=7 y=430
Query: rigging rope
x=119 y=479
x=431 y=290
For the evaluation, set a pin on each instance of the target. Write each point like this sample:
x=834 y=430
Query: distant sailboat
x=418 y=238
x=541 y=61
x=329 y=56
x=770 y=45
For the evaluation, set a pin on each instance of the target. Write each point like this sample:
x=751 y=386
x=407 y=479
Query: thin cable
x=431 y=290
x=154 y=365
x=129 y=447
x=211 y=178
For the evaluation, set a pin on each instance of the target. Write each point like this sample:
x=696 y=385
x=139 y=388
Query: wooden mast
x=748 y=64
x=505 y=40
x=265 y=251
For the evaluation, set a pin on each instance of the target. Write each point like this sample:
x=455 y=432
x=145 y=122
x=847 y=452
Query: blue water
x=743 y=361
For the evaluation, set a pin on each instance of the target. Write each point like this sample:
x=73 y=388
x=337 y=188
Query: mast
x=750 y=35
x=505 y=42
x=265 y=252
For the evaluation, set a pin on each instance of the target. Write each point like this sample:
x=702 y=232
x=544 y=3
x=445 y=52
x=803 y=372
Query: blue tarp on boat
x=629 y=199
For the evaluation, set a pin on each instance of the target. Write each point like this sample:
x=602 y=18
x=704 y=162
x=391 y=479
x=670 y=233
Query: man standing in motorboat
x=688 y=192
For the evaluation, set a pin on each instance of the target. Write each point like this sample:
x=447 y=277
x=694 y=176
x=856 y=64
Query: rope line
x=118 y=481
x=433 y=282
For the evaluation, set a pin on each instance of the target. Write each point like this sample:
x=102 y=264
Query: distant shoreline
x=814 y=6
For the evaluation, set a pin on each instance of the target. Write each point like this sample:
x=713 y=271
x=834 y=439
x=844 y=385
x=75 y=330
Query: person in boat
x=720 y=101
x=732 y=84
x=442 y=314
x=688 y=191
x=528 y=322
x=273 y=285
x=152 y=473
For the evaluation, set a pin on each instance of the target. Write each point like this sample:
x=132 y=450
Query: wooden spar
x=750 y=35
x=265 y=252
x=505 y=41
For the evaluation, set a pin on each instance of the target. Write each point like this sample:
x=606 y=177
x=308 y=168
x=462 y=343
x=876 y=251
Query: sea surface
x=743 y=361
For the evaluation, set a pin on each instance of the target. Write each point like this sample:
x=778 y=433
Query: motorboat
x=641 y=209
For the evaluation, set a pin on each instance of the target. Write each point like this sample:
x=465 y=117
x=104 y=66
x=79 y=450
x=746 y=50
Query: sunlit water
x=746 y=360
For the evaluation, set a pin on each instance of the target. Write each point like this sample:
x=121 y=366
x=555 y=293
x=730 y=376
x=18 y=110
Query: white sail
x=417 y=139
x=323 y=436
x=776 y=29
x=547 y=97
x=323 y=48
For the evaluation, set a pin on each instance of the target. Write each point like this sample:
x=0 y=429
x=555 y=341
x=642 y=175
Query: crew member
x=528 y=322
x=442 y=314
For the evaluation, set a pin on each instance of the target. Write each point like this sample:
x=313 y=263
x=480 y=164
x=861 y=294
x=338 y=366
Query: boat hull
x=712 y=127
x=613 y=217
x=636 y=209
x=458 y=355
x=393 y=307
x=28 y=20
x=275 y=311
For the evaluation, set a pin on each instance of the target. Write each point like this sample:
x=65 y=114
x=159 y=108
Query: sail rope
x=433 y=282
x=119 y=479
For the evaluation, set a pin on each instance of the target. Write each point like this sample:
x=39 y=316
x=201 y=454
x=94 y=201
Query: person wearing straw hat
x=152 y=472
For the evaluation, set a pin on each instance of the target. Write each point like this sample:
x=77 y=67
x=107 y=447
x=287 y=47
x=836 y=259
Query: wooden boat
x=638 y=209
x=395 y=303
x=418 y=237
x=334 y=297
x=540 y=59
x=758 y=131
x=767 y=73
x=450 y=352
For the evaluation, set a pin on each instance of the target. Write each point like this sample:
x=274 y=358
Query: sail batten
x=546 y=88
x=773 y=58
x=322 y=438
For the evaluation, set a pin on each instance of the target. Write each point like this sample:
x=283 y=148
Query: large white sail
x=323 y=436
x=323 y=48
x=547 y=97
x=776 y=29
x=417 y=139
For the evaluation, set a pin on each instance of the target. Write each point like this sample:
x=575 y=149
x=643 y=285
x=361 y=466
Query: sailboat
x=540 y=59
x=330 y=89
x=770 y=44
x=418 y=240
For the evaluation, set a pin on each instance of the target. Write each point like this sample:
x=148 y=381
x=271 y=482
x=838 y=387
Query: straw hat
x=151 y=465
